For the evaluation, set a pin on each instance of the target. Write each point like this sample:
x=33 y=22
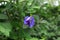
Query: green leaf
x=58 y=38
x=2 y=16
x=5 y=28
x=32 y=39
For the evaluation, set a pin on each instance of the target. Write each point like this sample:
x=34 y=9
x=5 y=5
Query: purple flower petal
x=25 y=19
x=32 y=22
x=29 y=21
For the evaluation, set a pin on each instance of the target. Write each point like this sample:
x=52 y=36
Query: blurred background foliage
x=45 y=12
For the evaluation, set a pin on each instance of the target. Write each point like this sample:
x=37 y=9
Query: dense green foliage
x=47 y=21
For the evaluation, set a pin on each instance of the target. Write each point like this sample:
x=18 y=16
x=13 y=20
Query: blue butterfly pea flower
x=29 y=20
